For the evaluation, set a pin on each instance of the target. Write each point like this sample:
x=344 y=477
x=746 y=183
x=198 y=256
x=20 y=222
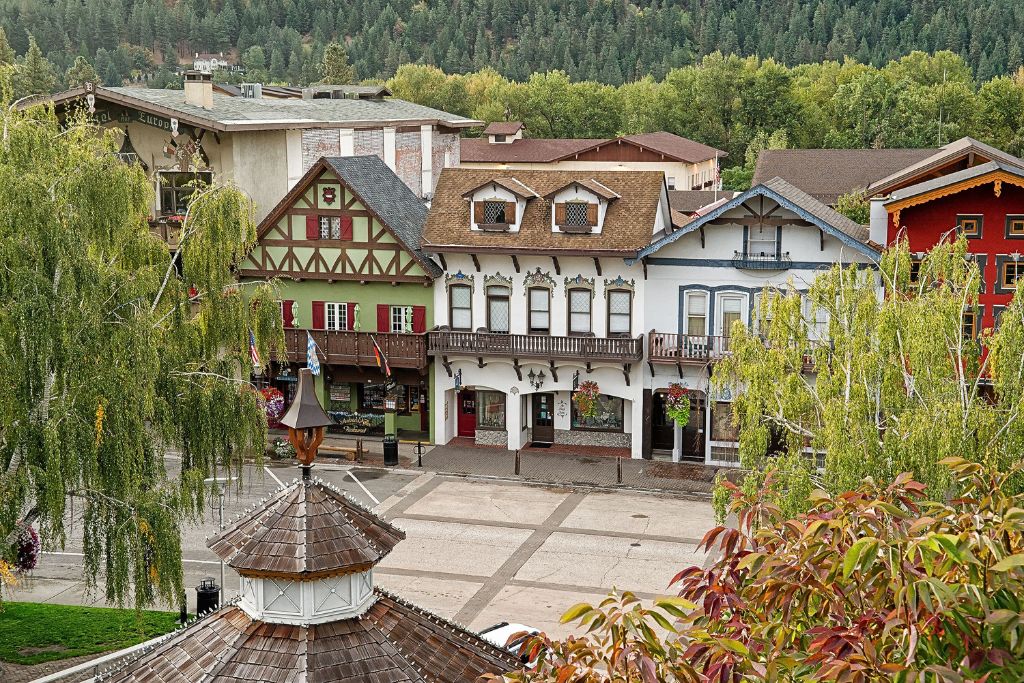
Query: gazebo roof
x=393 y=642
x=306 y=530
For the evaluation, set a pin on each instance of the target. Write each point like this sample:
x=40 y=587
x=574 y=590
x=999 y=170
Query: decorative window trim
x=579 y=282
x=978 y=218
x=619 y=283
x=451 y=309
x=538 y=279
x=1002 y=261
x=1010 y=220
x=458 y=278
x=497 y=279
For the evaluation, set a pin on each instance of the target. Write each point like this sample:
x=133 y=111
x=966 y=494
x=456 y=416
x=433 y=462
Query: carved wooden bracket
x=306 y=443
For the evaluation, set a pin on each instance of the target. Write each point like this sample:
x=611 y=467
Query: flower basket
x=586 y=399
x=26 y=547
x=273 y=405
x=678 y=404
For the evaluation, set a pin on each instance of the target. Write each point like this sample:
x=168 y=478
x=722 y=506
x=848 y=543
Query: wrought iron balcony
x=617 y=349
x=762 y=260
x=356 y=348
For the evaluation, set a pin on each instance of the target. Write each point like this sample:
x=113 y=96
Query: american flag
x=311 y=360
x=253 y=353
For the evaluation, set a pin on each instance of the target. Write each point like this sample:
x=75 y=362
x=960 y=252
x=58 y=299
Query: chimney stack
x=199 y=89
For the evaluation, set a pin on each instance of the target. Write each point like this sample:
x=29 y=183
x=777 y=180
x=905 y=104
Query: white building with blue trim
x=709 y=274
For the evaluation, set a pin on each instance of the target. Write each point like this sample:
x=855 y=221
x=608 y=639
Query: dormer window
x=576 y=216
x=576 y=213
x=499 y=138
x=494 y=213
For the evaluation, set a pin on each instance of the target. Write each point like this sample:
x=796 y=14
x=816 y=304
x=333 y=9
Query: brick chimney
x=199 y=89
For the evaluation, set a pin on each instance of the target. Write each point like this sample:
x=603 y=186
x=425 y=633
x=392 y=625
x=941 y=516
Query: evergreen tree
x=81 y=72
x=7 y=56
x=335 y=69
x=34 y=74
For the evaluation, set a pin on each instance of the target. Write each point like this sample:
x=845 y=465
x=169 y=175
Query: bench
x=354 y=454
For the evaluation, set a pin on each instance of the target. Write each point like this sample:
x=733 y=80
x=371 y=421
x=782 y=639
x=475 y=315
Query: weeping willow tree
x=113 y=351
x=899 y=382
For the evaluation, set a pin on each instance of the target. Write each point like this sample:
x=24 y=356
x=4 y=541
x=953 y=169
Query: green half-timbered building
x=344 y=245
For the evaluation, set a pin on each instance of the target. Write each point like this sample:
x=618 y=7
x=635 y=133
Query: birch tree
x=897 y=386
x=113 y=351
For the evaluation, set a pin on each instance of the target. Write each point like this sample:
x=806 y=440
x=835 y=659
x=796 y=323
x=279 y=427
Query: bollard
x=419 y=454
x=618 y=468
x=517 y=462
x=183 y=614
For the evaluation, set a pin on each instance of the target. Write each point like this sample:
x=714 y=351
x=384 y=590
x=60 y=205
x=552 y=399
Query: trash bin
x=207 y=595
x=391 y=450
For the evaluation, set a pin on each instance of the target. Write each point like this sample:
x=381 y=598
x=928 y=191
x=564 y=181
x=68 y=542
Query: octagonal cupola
x=306 y=555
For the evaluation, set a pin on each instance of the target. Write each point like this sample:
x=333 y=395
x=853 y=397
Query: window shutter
x=419 y=319
x=351 y=315
x=591 y=214
x=286 y=313
x=346 y=228
x=478 y=212
x=312 y=227
x=318 y=315
x=383 y=318
x=559 y=214
x=510 y=212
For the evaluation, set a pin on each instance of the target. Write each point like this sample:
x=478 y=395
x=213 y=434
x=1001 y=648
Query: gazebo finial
x=306 y=420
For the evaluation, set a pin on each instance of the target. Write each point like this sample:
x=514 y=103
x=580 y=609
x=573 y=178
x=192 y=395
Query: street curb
x=684 y=495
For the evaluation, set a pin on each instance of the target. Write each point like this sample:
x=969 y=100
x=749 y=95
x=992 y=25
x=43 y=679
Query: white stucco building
x=536 y=300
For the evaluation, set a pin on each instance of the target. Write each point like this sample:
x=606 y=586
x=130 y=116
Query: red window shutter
x=312 y=227
x=286 y=313
x=419 y=319
x=383 y=318
x=319 y=322
x=351 y=315
x=346 y=228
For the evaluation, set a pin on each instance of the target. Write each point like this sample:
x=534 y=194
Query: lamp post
x=220 y=481
x=305 y=421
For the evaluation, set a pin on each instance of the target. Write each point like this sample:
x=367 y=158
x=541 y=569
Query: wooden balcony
x=616 y=349
x=688 y=349
x=167 y=230
x=356 y=348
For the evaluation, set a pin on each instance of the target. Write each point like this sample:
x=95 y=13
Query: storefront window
x=371 y=398
x=608 y=418
x=490 y=410
x=722 y=426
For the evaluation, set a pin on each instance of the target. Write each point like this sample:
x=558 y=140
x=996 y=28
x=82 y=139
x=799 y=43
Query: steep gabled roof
x=807 y=207
x=944 y=156
x=549 y=150
x=503 y=128
x=590 y=185
x=967 y=178
x=378 y=188
x=827 y=174
x=510 y=183
x=675 y=146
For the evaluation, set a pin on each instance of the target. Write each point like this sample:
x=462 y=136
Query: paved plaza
x=478 y=550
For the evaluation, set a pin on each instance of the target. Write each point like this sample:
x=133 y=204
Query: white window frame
x=769 y=251
x=629 y=316
x=336 y=316
x=329 y=227
x=687 y=308
x=589 y=311
x=531 y=311
x=720 y=329
x=452 y=308
x=401 y=319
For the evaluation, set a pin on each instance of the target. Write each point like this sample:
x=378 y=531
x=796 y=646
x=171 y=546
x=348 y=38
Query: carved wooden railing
x=622 y=349
x=698 y=349
x=356 y=348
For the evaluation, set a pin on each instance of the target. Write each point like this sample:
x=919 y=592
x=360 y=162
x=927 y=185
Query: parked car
x=509 y=637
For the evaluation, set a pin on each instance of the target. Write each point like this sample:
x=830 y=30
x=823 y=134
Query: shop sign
x=341 y=392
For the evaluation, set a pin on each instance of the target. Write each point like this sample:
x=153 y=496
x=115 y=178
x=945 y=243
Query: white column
x=514 y=420
x=427 y=159
x=293 y=140
x=389 y=147
x=637 y=427
x=677 y=443
x=346 y=142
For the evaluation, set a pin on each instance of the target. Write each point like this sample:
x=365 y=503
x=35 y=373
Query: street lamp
x=220 y=481
x=536 y=379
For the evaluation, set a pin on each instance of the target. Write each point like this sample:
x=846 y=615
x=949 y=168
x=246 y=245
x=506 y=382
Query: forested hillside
x=610 y=41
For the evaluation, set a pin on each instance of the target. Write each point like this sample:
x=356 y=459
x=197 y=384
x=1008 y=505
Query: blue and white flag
x=311 y=360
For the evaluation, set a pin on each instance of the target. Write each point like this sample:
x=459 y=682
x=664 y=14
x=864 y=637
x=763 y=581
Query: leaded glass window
x=494 y=212
x=576 y=213
x=498 y=309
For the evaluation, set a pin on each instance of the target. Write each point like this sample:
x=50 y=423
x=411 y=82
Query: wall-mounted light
x=536 y=379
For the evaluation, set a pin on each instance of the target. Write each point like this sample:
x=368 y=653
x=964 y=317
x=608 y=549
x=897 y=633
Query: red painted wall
x=923 y=225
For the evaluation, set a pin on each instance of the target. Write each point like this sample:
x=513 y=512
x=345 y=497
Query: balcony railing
x=685 y=348
x=689 y=349
x=356 y=348
x=762 y=261
x=445 y=343
x=167 y=230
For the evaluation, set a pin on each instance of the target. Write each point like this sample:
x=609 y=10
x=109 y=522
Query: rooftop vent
x=252 y=91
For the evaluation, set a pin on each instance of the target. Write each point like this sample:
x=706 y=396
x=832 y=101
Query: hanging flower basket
x=586 y=398
x=26 y=547
x=273 y=404
x=678 y=403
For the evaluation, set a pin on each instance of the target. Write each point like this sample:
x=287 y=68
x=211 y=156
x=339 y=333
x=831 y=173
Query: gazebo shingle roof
x=306 y=530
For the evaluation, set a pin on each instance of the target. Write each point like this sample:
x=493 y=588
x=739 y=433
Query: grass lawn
x=32 y=632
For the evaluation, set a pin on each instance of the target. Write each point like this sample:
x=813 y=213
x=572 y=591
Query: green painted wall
x=367 y=296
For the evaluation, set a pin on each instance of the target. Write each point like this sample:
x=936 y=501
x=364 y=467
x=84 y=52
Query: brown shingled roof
x=503 y=128
x=306 y=530
x=392 y=642
x=688 y=201
x=529 y=150
x=827 y=174
x=628 y=226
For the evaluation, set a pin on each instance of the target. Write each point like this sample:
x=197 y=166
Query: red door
x=467 y=413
